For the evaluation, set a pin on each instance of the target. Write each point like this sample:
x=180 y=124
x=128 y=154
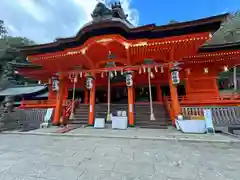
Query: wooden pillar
x=175 y=105
x=86 y=96
x=159 y=92
x=92 y=104
x=59 y=101
x=130 y=106
x=134 y=94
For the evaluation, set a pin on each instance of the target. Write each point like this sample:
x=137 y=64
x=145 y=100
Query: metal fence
x=222 y=116
x=28 y=118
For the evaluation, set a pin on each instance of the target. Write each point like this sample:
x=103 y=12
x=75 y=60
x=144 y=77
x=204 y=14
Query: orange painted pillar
x=130 y=106
x=91 y=116
x=134 y=94
x=159 y=93
x=86 y=96
x=175 y=105
x=59 y=101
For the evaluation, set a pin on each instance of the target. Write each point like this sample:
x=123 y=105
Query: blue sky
x=161 y=11
x=45 y=20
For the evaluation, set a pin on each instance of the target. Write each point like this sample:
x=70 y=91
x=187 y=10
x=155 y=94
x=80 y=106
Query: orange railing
x=223 y=99
x=41 y=103
x=69 y=108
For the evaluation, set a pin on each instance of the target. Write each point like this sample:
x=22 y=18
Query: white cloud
x=45 y=20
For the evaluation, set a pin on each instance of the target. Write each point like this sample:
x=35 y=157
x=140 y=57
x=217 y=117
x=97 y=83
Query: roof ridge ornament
x=102 y=12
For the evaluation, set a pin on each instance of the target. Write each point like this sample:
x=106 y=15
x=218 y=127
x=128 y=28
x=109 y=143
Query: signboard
x=208 y=120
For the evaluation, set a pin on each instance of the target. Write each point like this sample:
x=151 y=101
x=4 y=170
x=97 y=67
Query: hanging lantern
x=102 y=75
x=225 y=68
x=205 y=70
x=156 y=69
x=89 y=82
x=162 y=70
x=175 y=74
x=129 y=81
x=80 y=74
x=175 y=77
x=55 y=84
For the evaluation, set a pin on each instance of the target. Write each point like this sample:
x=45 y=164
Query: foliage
x=9 y=53
x=3 y=30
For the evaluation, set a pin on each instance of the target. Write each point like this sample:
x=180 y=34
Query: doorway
x=142 y=94
x=119 y=95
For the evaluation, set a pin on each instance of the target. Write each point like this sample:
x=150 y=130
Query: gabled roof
x=119 y=26
x=22 y=90
x=24 y=65
x=227 y=37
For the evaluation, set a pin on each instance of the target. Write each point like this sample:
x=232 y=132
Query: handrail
x=68 y=109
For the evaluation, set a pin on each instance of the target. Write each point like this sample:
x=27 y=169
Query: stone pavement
x=34 y=157
x=134 y=133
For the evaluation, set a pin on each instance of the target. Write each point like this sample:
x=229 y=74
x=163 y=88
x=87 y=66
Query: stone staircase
x=141 y=113
x=80 y=116
x=142 y=116
x=101 y=109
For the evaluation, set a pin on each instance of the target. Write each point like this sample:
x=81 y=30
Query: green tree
x=9 y=53
x=3 y=30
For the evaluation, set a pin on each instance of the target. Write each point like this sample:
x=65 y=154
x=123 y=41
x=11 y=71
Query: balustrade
x=42 y=103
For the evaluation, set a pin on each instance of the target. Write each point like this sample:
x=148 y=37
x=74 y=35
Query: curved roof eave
x=220 y=47
x=116 y=22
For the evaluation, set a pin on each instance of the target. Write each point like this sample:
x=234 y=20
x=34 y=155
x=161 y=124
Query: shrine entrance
x=142 y=94
x=119 y=95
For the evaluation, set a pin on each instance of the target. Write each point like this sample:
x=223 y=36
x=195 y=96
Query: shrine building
x=149 y=71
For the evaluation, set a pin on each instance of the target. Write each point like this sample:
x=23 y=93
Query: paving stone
x=62 y=173
x=135 y=167
x=27 y=168
x=100 y=175
x=72 y=158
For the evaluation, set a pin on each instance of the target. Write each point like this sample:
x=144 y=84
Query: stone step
x=77 y=121
x=154 y=127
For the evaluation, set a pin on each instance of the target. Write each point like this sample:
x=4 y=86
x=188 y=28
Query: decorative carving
x=8 y=104
x=102 y=12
